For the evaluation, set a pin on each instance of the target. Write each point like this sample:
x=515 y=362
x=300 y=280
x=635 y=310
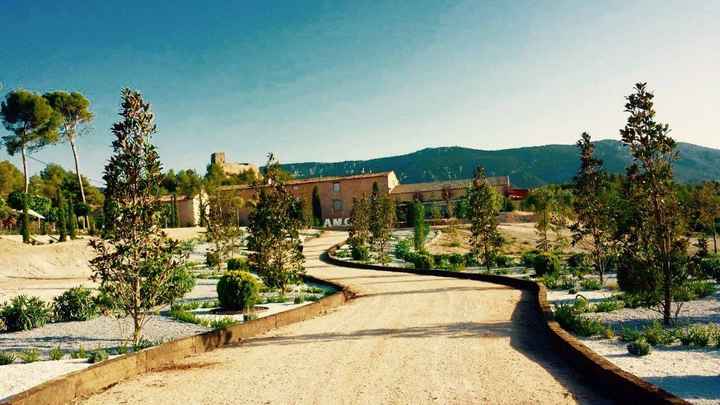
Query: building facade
x=336 y=194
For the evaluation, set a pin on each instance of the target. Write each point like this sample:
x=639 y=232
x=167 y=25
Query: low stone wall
x=98 y=377
x=625 y=387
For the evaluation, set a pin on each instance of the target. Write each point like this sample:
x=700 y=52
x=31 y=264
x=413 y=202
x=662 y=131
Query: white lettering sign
x=336 y=222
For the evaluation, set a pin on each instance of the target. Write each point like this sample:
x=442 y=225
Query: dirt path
x=407 y=340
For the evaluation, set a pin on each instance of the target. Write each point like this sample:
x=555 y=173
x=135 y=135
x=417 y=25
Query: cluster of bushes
x=238 y=290
x=640 y=340
x=25 y=313
x=570 y=318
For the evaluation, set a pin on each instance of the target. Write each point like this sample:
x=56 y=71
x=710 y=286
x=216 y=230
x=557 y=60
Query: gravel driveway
x=406 y=339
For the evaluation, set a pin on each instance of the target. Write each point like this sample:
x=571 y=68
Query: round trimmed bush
x=640 y=347
x=25 y=313
x=528 y=258
x=238 y=290
x=423 y=261
x=75 y=304
x=237 y=263
x=546 y=263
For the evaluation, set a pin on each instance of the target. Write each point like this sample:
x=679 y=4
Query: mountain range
x=527 y=167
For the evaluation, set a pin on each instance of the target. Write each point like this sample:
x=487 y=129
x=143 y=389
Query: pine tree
x=316 y=207
x=382 y=221
x=420 y=230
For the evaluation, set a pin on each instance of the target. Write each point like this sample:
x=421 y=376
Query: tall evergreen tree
x=596 y=225
x=420 y=228
x=274 y=230
x=659 y=241
x=137 y=263
x=316 y=207
x=382 y=221
x=483 y=208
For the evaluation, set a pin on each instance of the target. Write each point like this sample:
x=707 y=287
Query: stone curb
x=624 y=387
x=98 y=377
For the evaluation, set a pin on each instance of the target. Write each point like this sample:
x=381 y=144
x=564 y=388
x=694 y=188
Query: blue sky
x=336 y=80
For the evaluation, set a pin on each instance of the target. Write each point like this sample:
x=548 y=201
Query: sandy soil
x=406 y=339
x=519 y=237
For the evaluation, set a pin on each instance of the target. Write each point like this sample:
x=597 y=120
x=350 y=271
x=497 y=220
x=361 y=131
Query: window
x=337 y=205
x=336 y=187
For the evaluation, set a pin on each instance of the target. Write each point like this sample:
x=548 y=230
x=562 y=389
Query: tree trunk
x=667 y=290
x=79 y=178
x=714 y=238
x=25 y=170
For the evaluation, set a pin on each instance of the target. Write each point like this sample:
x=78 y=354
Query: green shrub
x=556 y=281
x=546 y=263
x=528 y=258
x=7 y=358
x=299 y=299
x=503 y=260
x=695 y=335
x=636 y=276
x=122 y=349
x=567 y=316
x=212 y=259
x=702 y=289
x=361 y=253
x=579 y=261
x=56 y=353
x=238 y=290
x=710 y=267
x=422 y=261
x=80 y=353
x=30 y=355
x=25 y=313
x=638 y=300
x=608 y=305
x=237 y=263
x=639 y=347
x=181 y=282
x=655 y=334
x=587 y=327
x=97 y=356
x=630 y=334
x=222 y=323
x=590 y=284
x=403 y=248
x=75 y=304
x=182 y=315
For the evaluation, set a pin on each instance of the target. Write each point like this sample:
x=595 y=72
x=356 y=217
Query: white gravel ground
x=690 y=373
x=17 y=378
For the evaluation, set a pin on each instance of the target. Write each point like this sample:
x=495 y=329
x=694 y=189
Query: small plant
x=97 y=356
x=56 y=353
x=25 y=313
x=630 y=334
x=249 y=317
x=299 y=299
x=581 y=305
x=7 y=358
x=587 y=327
x=361 y=253
x=143 y=344
x=75 y=304
x=546 y=263
x=222 y=322
x=695 y=335
x=80 y=353
x=640 y=347
x=528 y=258
x=238 y=290
x=608 y=305
x=702 y=289
x=30 y=355
x=655 y=334
x=182 y=315
x=122 y=349
x=590 y=284
x=237 y=264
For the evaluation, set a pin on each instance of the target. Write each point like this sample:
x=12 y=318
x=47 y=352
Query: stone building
x=218 y=158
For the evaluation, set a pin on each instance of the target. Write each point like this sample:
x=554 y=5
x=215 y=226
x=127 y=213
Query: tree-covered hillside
x=527 y=167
